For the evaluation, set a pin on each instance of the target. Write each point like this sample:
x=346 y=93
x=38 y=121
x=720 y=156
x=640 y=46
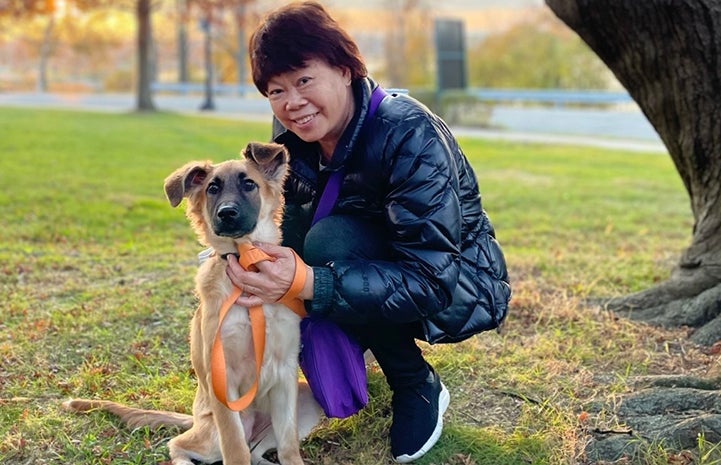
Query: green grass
x=96 y=278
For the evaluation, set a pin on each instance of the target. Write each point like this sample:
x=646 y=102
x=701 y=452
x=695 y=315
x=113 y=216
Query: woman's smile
x=304 y=120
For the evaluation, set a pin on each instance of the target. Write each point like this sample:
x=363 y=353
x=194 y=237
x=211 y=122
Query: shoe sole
x=444 y=398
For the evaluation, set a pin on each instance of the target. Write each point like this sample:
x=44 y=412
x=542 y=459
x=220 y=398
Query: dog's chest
x=236 y=331
x=281 y=330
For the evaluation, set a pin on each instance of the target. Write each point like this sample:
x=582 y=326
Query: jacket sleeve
x=423 y=218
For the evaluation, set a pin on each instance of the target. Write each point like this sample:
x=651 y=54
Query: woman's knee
x=343 y=237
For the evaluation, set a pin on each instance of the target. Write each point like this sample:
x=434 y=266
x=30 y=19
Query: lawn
x=96 y=278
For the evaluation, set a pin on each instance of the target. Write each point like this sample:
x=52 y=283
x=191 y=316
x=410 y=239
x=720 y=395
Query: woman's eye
x=249 y=185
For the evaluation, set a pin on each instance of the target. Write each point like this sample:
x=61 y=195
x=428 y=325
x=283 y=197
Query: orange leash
x=249 y=256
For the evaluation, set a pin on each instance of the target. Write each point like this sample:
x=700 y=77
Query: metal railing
x=552 y=96
x=199 y=87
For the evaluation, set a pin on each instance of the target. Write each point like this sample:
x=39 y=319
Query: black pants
x=341 y=237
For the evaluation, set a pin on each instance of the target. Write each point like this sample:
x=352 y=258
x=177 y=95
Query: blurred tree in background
x=536 y=54
x=112 y=45
x=408 y=50
x=229 y=19
x=40 y=17
x=92 y=39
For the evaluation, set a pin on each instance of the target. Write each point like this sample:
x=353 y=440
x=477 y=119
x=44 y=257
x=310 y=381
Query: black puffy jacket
x=406 y=171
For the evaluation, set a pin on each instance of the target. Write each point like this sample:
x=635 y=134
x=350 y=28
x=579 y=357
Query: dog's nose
x=228 y=212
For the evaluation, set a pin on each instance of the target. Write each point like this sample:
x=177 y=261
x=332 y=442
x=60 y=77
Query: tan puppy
x=229 y=203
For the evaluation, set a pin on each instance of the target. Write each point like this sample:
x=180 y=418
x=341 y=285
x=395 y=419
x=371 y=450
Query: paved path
x=235 y=107
x=613 y=134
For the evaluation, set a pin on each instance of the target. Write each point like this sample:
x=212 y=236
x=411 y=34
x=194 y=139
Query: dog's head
x=233 y=201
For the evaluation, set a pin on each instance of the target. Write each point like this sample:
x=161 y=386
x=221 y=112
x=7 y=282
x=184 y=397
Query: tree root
x=678 y=381
x=674 y=304
x=674 y=416
x=681 y=286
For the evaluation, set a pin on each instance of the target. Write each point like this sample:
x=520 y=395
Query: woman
x=407 y=251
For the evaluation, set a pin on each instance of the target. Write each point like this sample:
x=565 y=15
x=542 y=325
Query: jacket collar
x=362 y=89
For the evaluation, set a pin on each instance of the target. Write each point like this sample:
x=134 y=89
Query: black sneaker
x=418 y=418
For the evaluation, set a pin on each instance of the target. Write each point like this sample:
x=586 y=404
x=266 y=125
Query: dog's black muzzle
x=232 y=220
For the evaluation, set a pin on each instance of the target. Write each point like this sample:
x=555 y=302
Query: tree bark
x=667 y=54
x=144 y=93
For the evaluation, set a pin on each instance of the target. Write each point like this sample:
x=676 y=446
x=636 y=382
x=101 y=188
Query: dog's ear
x=181 y=182
x=272 y=159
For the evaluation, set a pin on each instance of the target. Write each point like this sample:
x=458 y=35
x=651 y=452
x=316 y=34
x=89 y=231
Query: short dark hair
x=296 y=33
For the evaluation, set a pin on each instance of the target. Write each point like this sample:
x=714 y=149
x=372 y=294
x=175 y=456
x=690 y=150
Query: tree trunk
x=144 y=93
x=395 y=45
x=667 y=53
x=208 y=104
x=240 y=12
x=182 y=31
x=45 y=51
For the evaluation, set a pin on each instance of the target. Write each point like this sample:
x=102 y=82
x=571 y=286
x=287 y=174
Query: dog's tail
x=133 y=417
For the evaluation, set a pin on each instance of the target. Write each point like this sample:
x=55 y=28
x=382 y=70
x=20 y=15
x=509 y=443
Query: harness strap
x=249 y=257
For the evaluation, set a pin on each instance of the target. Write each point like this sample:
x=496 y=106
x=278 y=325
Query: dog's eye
x=213 y=188
x=248 y=185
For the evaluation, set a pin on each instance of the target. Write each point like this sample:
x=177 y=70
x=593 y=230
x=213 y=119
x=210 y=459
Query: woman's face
x=315 y=102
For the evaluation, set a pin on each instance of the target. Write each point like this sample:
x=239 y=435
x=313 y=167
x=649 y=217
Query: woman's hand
x=272 y=279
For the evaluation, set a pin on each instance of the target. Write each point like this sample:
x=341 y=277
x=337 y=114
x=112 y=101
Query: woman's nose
x=294 y=100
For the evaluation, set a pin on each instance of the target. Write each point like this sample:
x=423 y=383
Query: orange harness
x=249 y=256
